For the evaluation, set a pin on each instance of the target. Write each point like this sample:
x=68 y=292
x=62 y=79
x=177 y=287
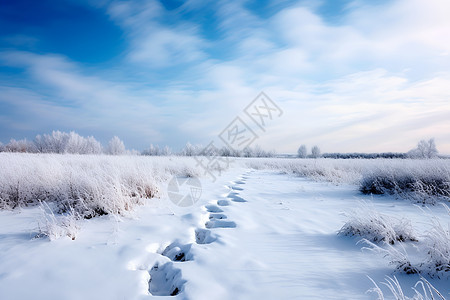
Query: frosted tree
x=225 y=151
x=39 y=144
x=116 y=146
x=166 y=151
x=302 y=152
x=57 y=141
x=93 y=146
x=75 y=144
x=190 y=150
x=425 y=149
x=152 y=151
x=51 y=143
x=258 y=151
x=315 y=152
x=19 y=146
x=2 y=148
x=236 y=152
x=247 y=152
x=62 y=142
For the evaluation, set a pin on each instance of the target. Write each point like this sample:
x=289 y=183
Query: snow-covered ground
x=255 y=234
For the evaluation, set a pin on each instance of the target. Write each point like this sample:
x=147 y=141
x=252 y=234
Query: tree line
x=425 y=149
x=73 y=143
x=65 y=143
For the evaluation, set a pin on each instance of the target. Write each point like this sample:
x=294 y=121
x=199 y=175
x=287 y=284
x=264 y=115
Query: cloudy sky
x=363 y=76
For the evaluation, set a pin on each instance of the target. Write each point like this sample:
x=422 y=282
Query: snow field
x=255 y=234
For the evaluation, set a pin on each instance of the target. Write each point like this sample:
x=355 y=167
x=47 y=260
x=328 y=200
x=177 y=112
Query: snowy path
x=254 y=235
x=284 y=245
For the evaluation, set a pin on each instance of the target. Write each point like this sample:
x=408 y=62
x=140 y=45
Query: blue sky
x=350 y=76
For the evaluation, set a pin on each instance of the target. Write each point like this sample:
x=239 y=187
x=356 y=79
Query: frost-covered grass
x=423 y=180
x=423 y=290
x=380 y=232
x=57 y=226
x=332 y=170
x=437 y=247
x=94 y=185
x=89 y=185
x=376 y=227
x=420 y=180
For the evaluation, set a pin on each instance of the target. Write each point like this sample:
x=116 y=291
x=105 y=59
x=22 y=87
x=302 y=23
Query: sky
x=348 y=76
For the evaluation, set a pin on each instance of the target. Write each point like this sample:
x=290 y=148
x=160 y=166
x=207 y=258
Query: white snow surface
x=266 y=236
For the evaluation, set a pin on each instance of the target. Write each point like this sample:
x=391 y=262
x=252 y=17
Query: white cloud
x=153 y=44
x=164 y=47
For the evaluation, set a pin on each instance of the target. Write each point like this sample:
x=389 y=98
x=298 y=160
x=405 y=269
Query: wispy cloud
x=376 y=80
x=151 y=43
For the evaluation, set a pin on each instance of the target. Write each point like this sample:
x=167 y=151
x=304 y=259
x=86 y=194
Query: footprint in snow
x=165 y=280
x=178 y=252
x=223 y=202
x=217 y=216
x=204 y=236
x=220 y=224
x=213 y=208
x=236 y=198
x=236 y=188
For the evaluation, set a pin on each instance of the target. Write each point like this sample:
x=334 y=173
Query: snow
x=254 y=234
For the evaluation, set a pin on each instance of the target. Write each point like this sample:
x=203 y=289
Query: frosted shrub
x=373 y=226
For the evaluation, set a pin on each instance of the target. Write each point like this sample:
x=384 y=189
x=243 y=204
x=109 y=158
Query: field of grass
x=425 y=181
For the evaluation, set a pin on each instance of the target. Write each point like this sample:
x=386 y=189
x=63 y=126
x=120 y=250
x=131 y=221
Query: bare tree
x=302 y=151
